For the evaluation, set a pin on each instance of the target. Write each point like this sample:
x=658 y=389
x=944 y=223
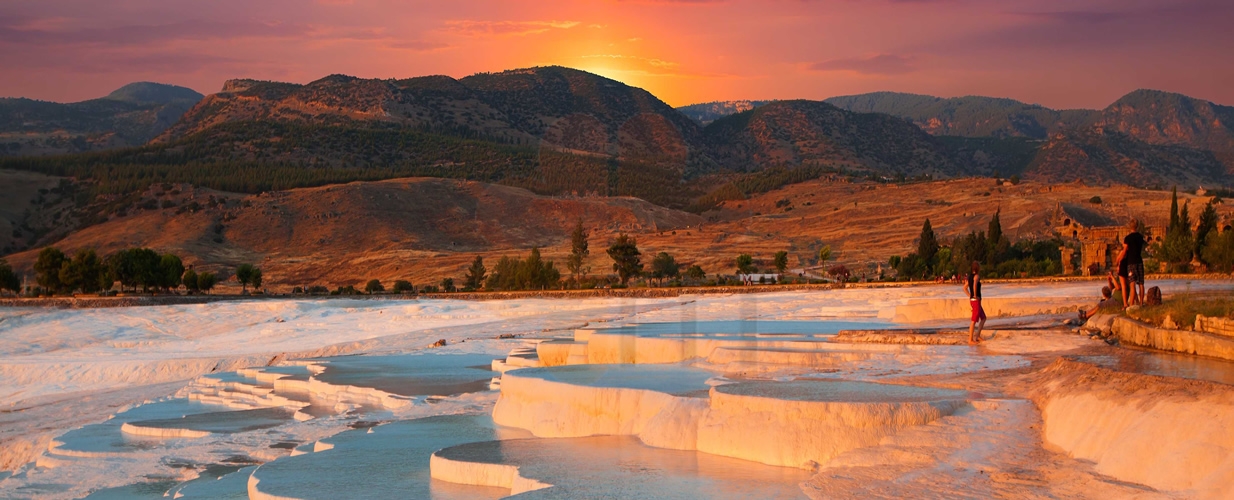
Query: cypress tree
x=927 y=245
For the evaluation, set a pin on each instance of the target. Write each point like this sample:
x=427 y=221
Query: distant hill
x=813 y=133
x=130 y=116
x=707 y=112
x=971 y=116
x=1146 y=138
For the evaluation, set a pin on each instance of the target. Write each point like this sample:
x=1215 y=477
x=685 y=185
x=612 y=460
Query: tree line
x=133 y=268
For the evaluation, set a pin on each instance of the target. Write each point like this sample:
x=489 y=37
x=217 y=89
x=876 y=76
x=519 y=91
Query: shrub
x=1096 y=200
x=403 y=286
x=373 y=286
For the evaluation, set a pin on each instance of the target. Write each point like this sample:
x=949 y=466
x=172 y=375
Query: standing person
x=972 y=287
x=1131 y=265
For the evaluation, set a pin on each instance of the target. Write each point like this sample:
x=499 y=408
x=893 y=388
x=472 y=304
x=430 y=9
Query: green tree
x=8 y=278
x=824 y=255
x=190 y=280
x=745 y=264
x=663 y=267
x=781 y=261
x=83 y=272
x=578 y=250
x=927 y=243
x=373 y=286
x=627 y=260
x=244 y=274
x=1207 y=227
x=47 y=269
x=1218 y=252
x=447 y=285
x=171 y=269
x=1178 y=247
x=997 y=245
x=206 y=281
x=257 y=278
x=696 y=272
x=474 y=279
x=403 y=286
x=1173 y=211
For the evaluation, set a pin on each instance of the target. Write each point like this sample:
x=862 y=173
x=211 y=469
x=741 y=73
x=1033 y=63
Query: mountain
x=707 y=112
x=130 y=116
x=554 y=108
x=813 y=133
x=971 y=116
x=1169 y=119
x=1102 y=156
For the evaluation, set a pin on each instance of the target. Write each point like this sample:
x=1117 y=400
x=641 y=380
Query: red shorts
x=978 y=312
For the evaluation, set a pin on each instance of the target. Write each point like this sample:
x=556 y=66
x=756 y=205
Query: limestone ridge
x=130 y=116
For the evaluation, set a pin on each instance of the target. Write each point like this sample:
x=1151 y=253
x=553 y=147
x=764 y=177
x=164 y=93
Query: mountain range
x=560 y=131
x=131 y=116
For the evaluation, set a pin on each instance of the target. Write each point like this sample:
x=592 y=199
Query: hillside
x=405 y=228
x=707 y=112
x=971 y=116
x=427 y=229
x=1164 y=118
x=130 y=116
x=812 y=133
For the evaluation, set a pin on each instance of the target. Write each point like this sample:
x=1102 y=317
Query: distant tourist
x=972 y=287
x=1131 y=265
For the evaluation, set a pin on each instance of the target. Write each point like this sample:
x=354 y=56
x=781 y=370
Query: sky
x=1058 y=53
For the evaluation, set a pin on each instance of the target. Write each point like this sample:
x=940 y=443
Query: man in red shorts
x=972 y=287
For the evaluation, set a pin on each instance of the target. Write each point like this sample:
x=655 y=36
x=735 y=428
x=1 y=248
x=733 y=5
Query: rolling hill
x=130 y=116
x=707 y=112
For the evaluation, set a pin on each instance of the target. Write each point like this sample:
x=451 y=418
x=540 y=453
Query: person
x=972 y=287
x=1131 y=265
x=1107 y=300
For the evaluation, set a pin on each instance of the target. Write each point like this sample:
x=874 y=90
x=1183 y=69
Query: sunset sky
x=1062 y=54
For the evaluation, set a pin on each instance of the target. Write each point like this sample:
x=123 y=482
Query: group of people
x=1129 y=282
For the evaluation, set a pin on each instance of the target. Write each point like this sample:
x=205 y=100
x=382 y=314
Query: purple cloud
x=881 y=64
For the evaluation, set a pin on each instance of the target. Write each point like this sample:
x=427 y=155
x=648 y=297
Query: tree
x=578 y=250
x=403 y=286
x=244 y=274
x=190 y=280
x=1218 y=252
x=927 y=244
x=47 y=269
x=840 y=272
x=696 y=272
x=83 y=272
x=475 y=274
x=8 y=278
x=206 y=281
x=996 y=244
x=373 y=286
x=824 y=254
x=781 y=261
x=627 y=261
x=1178 y=247
x=664 y=266
x=745 y=264
x=1207 y=226
x=257 y=277
x=447 y=285
x=171 y=269
x=1173 y=210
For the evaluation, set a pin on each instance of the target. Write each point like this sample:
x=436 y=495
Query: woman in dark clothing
x=972 y=287
x=1131 y=265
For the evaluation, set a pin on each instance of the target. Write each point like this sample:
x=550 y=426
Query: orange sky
x=1077 y=53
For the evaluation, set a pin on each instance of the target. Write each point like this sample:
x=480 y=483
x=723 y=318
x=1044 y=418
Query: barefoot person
x=1131 y=265
x=1107 y=300
x=972 y=287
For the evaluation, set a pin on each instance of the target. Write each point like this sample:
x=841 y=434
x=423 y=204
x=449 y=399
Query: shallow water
x=1167 y=365
x=411 y=375
x=841 y=391
x=615 y=467
x=390 y=462
x=669 y=379
x=742 y=327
